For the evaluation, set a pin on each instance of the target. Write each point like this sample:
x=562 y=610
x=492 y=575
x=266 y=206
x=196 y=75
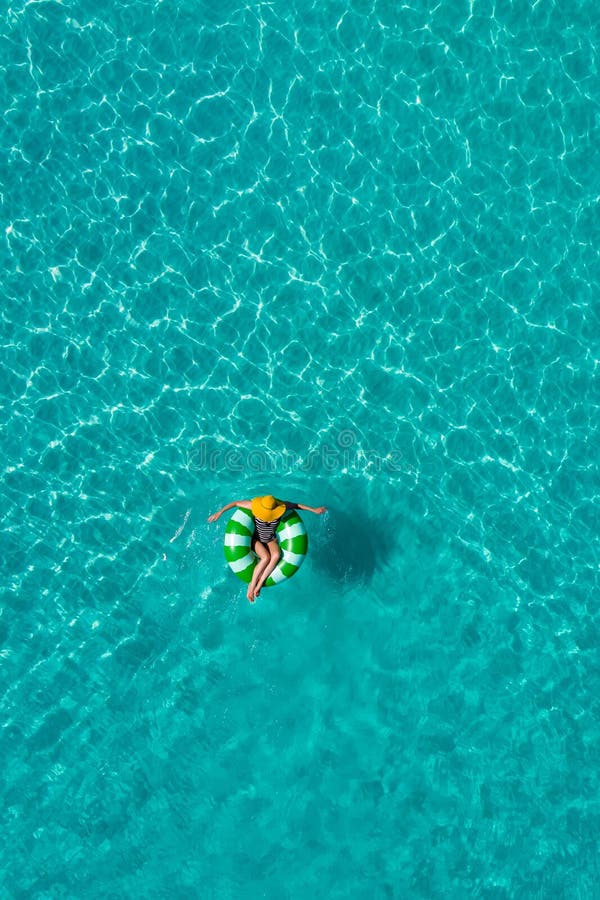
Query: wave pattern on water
x=346 y=249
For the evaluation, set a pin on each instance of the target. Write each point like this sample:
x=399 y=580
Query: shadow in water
x=352 y=547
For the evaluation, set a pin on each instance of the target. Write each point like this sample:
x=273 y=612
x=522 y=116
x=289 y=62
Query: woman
x=267 y=512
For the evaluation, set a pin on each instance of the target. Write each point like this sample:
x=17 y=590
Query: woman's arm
x=319 y=510
x=245 y=504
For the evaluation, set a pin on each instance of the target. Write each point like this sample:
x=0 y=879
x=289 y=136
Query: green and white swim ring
x=292 y=537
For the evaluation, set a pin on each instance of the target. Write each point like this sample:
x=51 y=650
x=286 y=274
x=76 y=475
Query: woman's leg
x=275 y=552
x=263 y=560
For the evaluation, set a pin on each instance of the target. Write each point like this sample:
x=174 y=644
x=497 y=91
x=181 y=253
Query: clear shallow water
x=347 y=254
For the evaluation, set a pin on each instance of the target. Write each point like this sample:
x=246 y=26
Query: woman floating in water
x=267 y=512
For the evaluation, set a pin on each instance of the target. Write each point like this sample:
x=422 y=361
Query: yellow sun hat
x=267 y=508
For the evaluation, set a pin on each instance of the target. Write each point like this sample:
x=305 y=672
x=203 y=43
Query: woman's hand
x=319 y=510
x=245 y=504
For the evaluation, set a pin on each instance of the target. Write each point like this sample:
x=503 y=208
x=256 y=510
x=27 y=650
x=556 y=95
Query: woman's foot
x=250 y=593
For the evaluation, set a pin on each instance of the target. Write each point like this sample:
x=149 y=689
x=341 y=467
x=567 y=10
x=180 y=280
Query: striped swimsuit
x=265 y=531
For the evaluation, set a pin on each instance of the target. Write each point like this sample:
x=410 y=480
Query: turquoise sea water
x=347 y=253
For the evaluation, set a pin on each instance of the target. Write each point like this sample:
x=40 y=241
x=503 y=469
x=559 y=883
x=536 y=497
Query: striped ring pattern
x=241 y=559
